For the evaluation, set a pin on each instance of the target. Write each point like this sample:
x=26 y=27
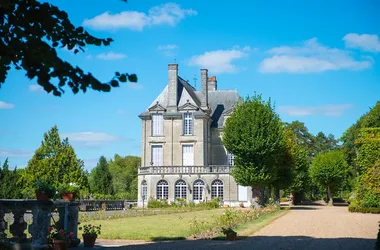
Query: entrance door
x=242 y=193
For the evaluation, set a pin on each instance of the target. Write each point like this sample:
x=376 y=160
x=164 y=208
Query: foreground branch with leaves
x=30 y=33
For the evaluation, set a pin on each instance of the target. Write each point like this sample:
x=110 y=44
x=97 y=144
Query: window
x=188 y=124
x=217 y=189
x=230 y=159
x=162 y=190
x=144 y=190
x=157 y=159
x=180 y=189
x=198 y=190
x=157 y=125
x=187 y=155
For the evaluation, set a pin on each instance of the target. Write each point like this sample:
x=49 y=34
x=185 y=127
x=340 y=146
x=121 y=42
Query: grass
x=159 y=227
x=252 y=227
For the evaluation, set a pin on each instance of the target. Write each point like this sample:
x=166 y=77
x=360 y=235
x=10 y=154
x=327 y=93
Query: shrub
x=357 y=209
x=153 y=203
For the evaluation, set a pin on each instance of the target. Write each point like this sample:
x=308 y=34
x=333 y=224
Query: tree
x=300 y=173
x=31 y=31
x=101 y=178
x=55 y=162
x=124 y=171
x=8 y=185
x=303 y=137
x=254 y=134
x=323 y=143
x=329 y=169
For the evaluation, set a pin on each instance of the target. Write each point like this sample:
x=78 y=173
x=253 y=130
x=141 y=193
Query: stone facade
x=182 y=151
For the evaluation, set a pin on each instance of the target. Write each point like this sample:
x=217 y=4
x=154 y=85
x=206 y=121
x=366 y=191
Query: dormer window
x=157 y=125
x=188 y=124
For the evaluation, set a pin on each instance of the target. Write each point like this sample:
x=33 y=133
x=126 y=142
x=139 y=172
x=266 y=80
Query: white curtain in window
x=157 y=125
x=187 y=155
x=157 y=156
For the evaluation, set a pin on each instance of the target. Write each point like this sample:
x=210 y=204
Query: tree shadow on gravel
x=259 y=243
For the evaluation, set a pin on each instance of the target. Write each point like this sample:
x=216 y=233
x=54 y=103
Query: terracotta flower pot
x=89 y=240
x=67 y=196
x=60 y=244
x=42 y=196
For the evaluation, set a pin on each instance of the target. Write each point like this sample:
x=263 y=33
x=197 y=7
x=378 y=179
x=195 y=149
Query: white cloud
x=169 y=14
x=167 y=47
x=4 y=105
x=91 y=138
x=219 y=61
x=35 y=87
x=135 y=85
x=168 y=50
x=121 y=112
x=366 y=42
x=15 y=153
x=324 y=110
x=111 y=56
x=311 y=57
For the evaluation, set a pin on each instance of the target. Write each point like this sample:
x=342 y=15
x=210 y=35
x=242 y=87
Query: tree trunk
x=329 y=196
x=257 y=197
x=277 y=195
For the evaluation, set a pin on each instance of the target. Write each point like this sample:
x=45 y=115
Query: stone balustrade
x=41 y=213
x=220 y=169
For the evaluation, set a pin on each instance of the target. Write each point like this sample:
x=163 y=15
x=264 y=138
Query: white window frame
x=154 y=157
x=157 y=124
x=180 y=189
x=230 y=159
x=188 y=123
x=162 y=190
x=198 y=188
x=217 y=189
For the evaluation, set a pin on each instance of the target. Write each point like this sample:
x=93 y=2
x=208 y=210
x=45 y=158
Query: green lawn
x=168 y=226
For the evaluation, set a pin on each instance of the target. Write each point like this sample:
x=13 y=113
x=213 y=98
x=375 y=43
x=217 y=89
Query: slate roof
x=220 y=101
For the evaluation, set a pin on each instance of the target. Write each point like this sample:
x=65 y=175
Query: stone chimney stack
x=204 y=81
x=212 y=84
x=172 y=86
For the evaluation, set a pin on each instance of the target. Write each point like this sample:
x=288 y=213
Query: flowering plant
x=55 y=234
x=69 y=188
x=45 y=188
x=91 y=229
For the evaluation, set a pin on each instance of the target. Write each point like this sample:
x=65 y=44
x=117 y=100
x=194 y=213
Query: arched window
x=217 y=189
x=198 y=190
x=162 y=190
x=180 y=189
x=144 y=190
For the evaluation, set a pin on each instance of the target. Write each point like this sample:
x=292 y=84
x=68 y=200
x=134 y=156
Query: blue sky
x=318 y=61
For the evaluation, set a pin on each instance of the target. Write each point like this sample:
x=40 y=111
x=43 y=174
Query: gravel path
x=304 y=227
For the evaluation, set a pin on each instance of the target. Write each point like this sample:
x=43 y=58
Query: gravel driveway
x=304 y=227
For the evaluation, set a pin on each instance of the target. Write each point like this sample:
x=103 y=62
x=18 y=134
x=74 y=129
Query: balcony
x=210 y=169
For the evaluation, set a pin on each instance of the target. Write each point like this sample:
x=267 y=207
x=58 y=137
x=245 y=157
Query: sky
x=319 y=61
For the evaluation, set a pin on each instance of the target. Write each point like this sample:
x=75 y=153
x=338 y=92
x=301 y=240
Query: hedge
x=357 y=209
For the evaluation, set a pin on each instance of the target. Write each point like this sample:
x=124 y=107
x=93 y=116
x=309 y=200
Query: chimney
x=204 y=81
x=172 y=86
x=212 y=84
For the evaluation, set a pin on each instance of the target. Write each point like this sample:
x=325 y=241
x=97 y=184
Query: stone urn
x=42 y=196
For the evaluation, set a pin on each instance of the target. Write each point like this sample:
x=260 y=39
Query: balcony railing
x=210 y=169
x=39 y=213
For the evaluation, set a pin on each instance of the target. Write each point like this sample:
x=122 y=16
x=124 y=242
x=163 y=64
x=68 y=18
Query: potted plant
x=90 y=233
x=229 y=233
x=44 y=191
x=59 y=239
x=69 y=191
